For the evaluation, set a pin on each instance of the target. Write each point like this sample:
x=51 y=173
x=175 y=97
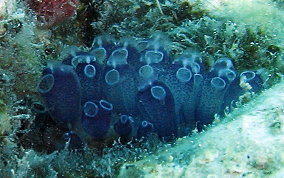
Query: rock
x=248 y=142
x=6 y=8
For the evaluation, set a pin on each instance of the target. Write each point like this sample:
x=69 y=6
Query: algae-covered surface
x=248 y=142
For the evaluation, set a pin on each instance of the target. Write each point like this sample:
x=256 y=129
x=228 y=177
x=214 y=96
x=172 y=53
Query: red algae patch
x=53 y=12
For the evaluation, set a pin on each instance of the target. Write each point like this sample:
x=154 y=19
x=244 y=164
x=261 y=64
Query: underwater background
x=127 y=88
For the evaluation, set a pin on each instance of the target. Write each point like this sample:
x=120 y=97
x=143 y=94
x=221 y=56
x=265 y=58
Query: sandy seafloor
x=248 y=142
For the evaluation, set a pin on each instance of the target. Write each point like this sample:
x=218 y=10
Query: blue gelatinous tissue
x=61 y=90
x=210 y=101
x=144 y=129
x=123 y=126
x=133 y=88
x=73 y=141
x=89 y=75
x=156 y=104
x=96 y=118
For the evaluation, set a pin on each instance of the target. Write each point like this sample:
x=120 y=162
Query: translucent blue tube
x=60 y=87
x=96 y=118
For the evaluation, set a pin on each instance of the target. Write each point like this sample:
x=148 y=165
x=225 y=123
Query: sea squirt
x=133 y=88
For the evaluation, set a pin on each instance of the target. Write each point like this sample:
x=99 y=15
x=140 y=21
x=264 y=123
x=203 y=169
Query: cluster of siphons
x=133 y=88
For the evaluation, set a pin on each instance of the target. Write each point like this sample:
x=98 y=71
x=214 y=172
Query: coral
x=53 y=12
x=141 y=82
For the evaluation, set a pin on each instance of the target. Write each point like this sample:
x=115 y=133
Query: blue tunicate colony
x=132 y=88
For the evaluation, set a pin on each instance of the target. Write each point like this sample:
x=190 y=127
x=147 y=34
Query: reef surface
x=249 y=33
x=254 y=147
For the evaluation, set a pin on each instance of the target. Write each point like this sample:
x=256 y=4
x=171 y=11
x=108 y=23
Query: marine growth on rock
x=132 y=88
x=53 y=12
